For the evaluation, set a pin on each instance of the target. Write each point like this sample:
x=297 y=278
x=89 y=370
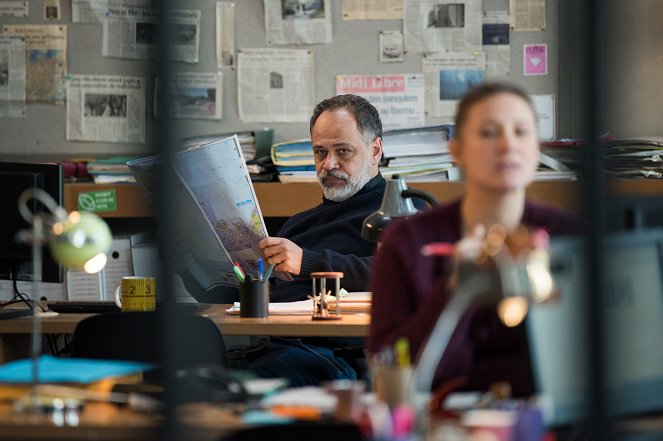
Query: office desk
x=15 y=333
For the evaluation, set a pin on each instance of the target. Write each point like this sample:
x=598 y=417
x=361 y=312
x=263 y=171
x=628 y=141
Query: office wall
x=354 y=50
x=629 y=82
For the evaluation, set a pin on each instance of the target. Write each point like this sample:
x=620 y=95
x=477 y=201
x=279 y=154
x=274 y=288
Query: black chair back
x=135 y=336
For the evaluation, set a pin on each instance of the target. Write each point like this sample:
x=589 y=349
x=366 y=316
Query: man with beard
x=346 y=134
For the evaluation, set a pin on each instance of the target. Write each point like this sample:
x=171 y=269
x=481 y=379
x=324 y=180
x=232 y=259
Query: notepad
x=68 y=370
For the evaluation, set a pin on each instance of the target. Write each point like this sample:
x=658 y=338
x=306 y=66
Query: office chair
x=298 y=431
x=135 y=336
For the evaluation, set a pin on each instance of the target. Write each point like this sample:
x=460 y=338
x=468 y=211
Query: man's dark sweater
x=330 y=236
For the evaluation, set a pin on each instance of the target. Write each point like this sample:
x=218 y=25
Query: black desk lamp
x=396 y=202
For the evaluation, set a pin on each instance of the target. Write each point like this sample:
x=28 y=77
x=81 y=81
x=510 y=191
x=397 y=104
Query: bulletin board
x=354 y=50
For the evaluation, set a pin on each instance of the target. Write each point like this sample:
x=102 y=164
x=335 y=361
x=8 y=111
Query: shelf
x=284 y=200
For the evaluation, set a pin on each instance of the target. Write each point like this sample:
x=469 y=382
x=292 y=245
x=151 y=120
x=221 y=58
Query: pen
x=261 y=270
x=269 y=272
x=402 y=352
x=238 y=272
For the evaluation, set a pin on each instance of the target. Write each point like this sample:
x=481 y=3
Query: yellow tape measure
x=139 y=294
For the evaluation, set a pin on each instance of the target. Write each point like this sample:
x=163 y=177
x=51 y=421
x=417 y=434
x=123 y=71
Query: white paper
x=82 y=286
x=94 y=11
x=225 y=34
x=12 y=77
x=105 y=108
x=544 y=106
x=34 y=290
x=441 y=25
x=298 y=22
x=399 y=98
x=372 y=9
x=528 y=15
x=496 y=44
x=192 y=95
x=133 y=32
x=14 y=9
x=391 y=47
x=275 y=85
x=448 y=77
x=46 y=61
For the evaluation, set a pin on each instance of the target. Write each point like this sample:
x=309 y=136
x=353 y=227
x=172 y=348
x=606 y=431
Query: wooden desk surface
x=351 y=325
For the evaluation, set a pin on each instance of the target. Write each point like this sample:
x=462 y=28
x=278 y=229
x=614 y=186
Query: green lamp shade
x=81 y=241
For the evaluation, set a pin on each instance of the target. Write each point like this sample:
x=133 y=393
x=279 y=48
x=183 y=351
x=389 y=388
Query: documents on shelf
x=219 y=219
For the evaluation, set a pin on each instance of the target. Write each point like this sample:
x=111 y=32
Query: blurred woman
x=496 y=145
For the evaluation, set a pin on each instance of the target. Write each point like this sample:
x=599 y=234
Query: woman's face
x=498 y=147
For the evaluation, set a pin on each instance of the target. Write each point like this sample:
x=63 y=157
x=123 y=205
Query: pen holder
x=253 y=298
x=392 y=384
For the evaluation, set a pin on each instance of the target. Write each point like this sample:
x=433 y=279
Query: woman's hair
x=480 y=93
x=367 y=116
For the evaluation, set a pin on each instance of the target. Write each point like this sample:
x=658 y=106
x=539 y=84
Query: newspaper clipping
x=12 y=77
x=528 y=15
x=133 y=33
x=448 y=77
x=298 y=22
x=105 y=108
x=51 y=9
x=372 y=9
x=14 y=9
x=225 y=34
x=496 y=44
x=46 y=61
x=398 y=98
x=275 y=85
x=441 y=25
x=391 y=47
x=94 y=11
x=192 y=95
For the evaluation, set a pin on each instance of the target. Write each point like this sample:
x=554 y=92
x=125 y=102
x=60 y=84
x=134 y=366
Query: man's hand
x=283 y=253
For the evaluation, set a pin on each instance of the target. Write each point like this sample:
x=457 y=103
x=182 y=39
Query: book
x=219 y=217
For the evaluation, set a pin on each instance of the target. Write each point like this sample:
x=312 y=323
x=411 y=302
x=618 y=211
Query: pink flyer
x=535 y=59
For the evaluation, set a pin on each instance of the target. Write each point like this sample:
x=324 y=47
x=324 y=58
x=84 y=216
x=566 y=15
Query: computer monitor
x=16 y=257
x=632 y=311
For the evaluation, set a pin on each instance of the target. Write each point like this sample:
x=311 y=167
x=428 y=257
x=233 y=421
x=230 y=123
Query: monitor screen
x=16 y=257
x=631 y=306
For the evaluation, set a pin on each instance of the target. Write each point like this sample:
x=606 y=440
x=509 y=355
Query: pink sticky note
x=535 y=59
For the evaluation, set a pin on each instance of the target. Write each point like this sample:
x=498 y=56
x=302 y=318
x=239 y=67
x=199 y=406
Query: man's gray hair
x=367 y=116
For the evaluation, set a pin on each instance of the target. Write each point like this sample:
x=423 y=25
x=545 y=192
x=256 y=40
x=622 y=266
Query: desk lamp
x=78 y=240
x=501 y=274
x=396 y=202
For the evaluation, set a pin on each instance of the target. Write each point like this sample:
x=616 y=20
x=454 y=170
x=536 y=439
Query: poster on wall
x=372 y=9
x=46 y=61
x=298 y=22
x=399 y=98
x=496 y=41
x=448 y=77
x=94 y=11
x=528 y=15
x=535 y=59
x=134 y=33
x=105 y=108
x=192 y=95
x=441 y=25
x=391 y=46
x=275 y=85
x=12 y=77
x=225 y=34
x=15 y=9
